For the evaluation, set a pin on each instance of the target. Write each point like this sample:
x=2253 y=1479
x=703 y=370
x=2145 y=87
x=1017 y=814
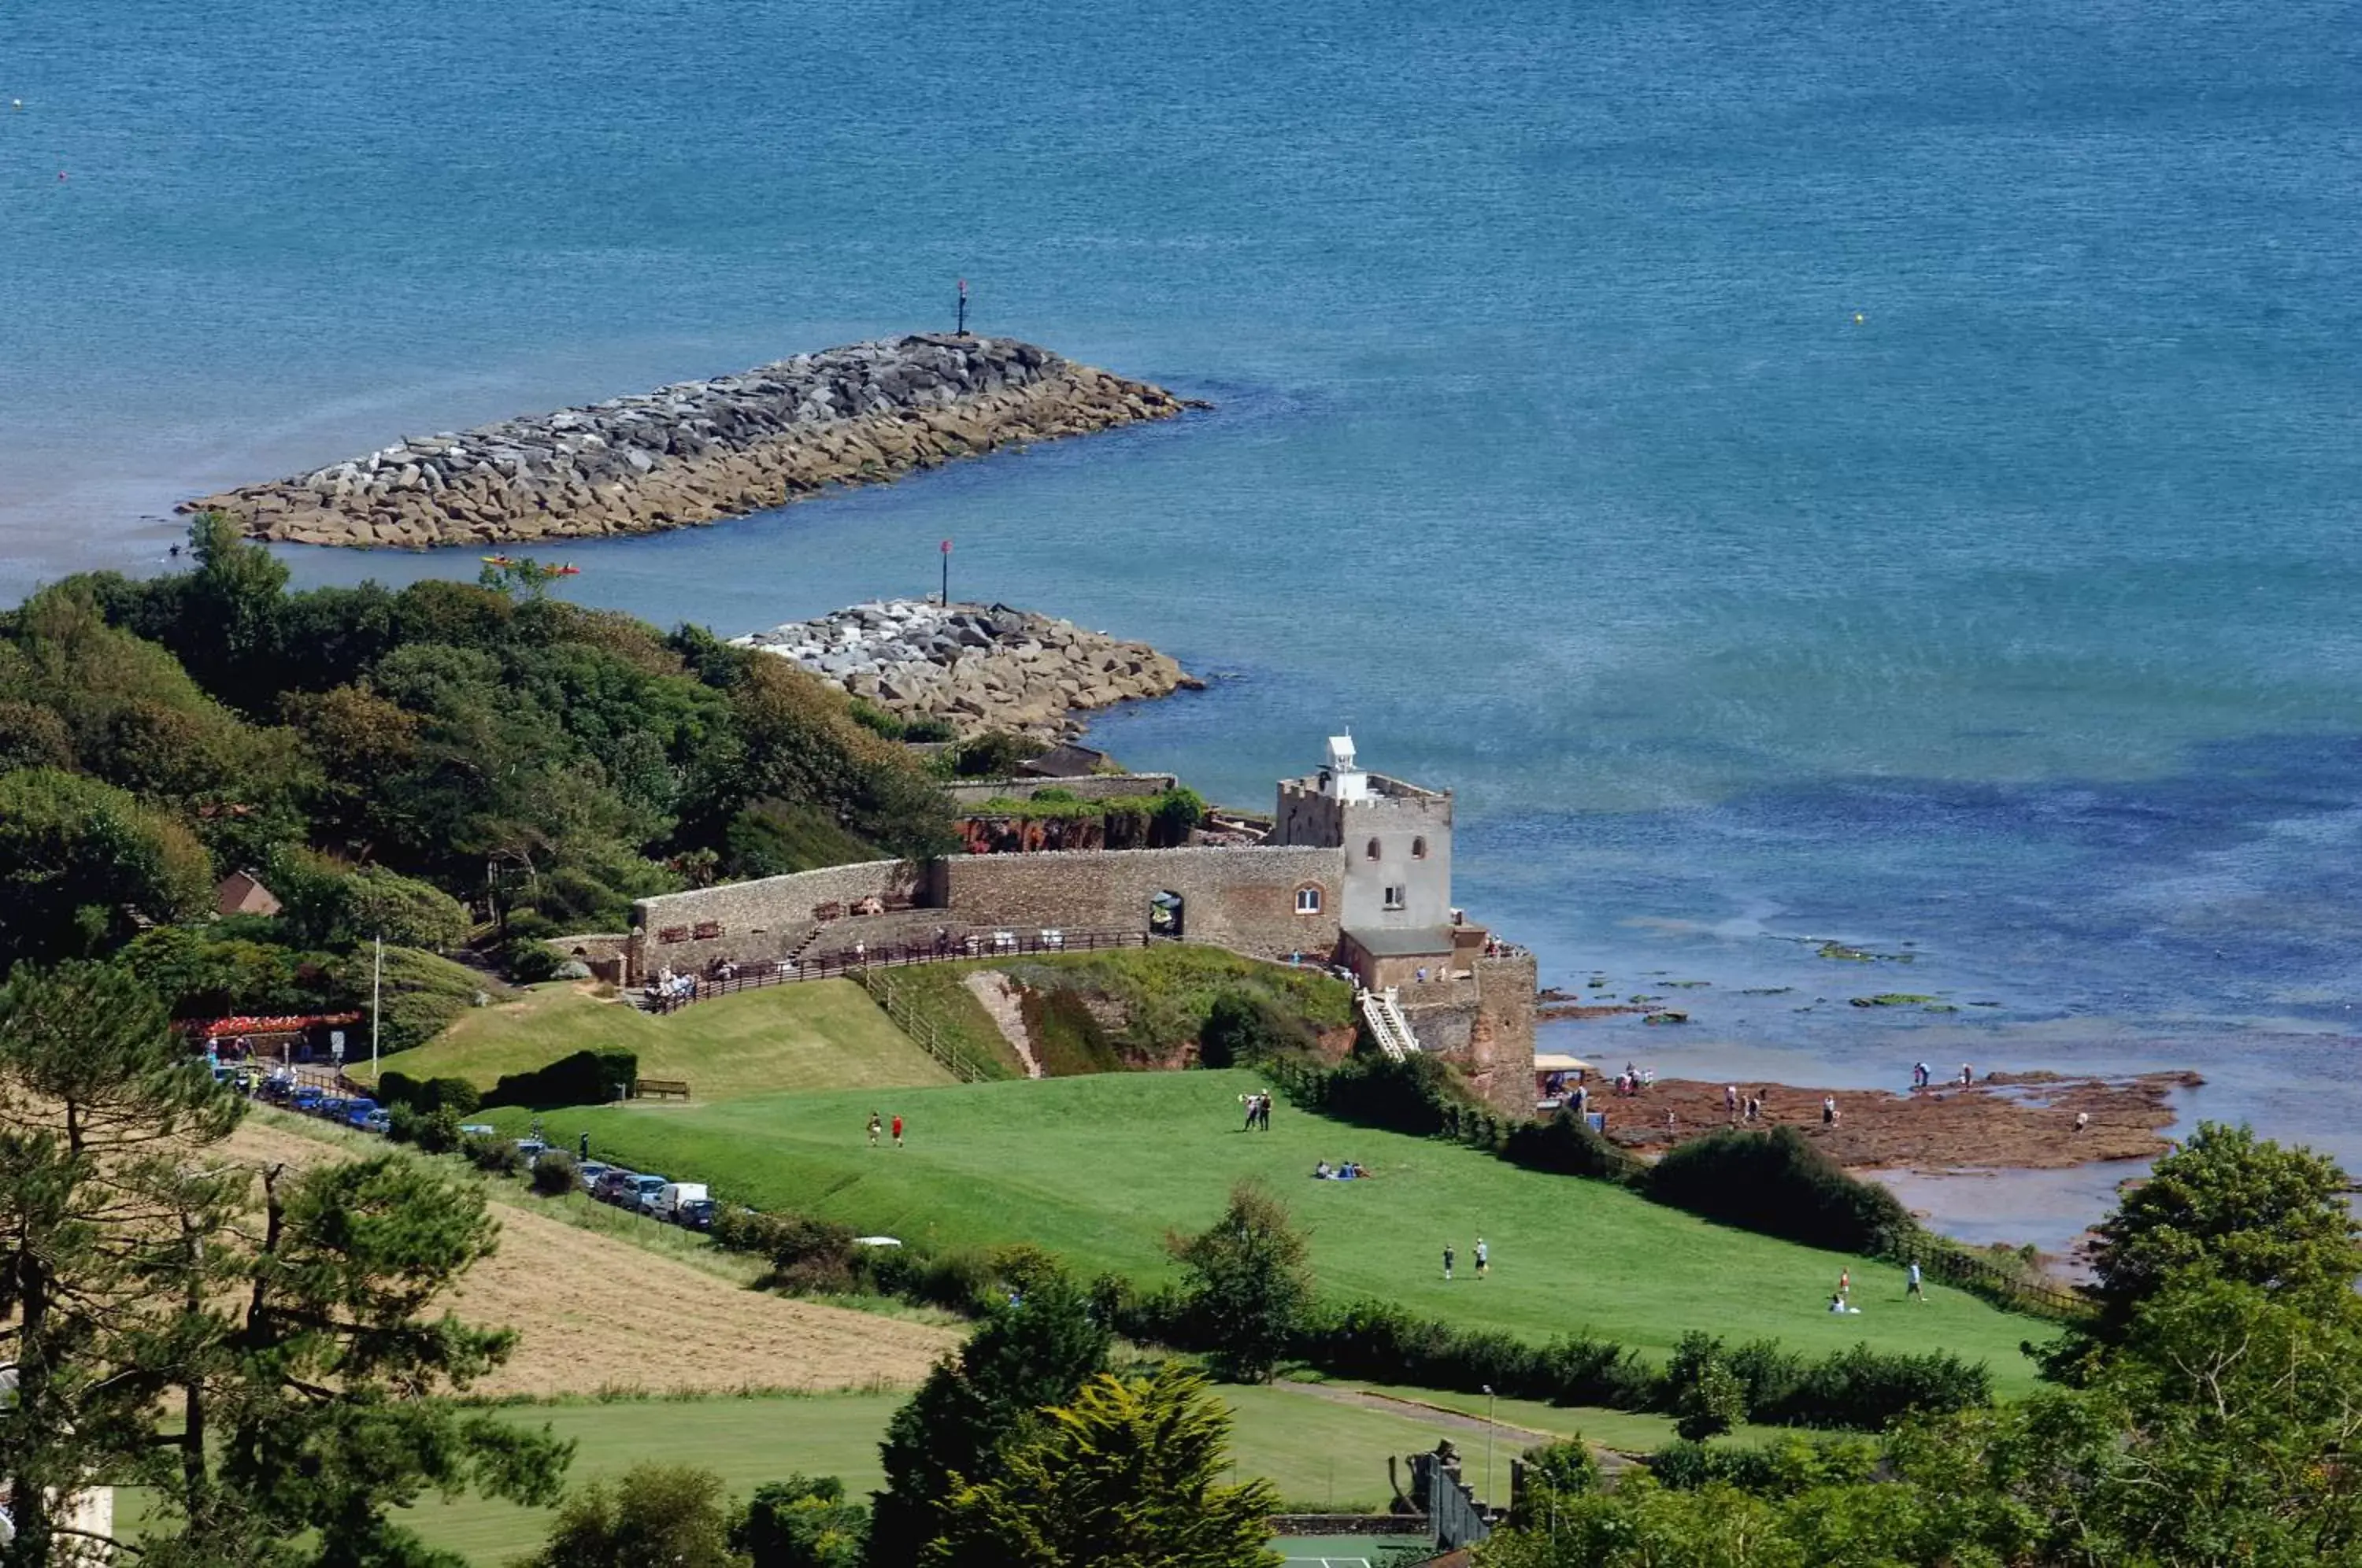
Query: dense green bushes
x=584 y=1077
x=1777 y=1183
x=427 y=1094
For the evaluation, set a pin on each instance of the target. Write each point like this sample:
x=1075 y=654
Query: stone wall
x=699 y=450
x=763 y=921
x=1242 y=898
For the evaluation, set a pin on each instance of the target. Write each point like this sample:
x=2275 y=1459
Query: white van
x=673 y=1195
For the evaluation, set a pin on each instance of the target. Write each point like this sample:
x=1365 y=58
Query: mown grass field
x=1317 y=1453
x=1103 y=1169
x=815 y=1035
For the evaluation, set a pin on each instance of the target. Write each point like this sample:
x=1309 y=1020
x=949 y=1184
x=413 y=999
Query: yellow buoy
x=1857 y=318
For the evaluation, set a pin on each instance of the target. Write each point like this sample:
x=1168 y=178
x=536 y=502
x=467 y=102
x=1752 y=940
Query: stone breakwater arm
x=975 y=665
x=700 y=451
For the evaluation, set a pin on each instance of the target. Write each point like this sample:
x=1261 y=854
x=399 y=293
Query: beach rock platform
x=700 y=451
x=978 y=667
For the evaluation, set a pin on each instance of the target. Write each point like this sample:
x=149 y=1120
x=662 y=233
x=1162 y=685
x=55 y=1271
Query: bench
x=664 y=1088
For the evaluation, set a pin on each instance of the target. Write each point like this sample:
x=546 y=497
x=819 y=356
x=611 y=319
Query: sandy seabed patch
x=594 y=1314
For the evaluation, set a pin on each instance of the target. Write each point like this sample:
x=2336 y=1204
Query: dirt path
x=593 y=1313
x=1445 y=1421
x=994 y=990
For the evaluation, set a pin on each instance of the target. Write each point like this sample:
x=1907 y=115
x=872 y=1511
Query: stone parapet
x=696 y=451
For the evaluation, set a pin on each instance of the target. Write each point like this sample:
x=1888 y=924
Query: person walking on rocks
x=898 y=1129
x=1730 y=1100
x=1829 y=1110
x=1483 y=1258
x=875 y=1125
x=1447 y=1260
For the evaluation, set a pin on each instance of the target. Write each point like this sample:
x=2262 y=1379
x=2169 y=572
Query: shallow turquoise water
x=2012 y=621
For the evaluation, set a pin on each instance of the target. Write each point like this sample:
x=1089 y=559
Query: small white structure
x=1341 y=780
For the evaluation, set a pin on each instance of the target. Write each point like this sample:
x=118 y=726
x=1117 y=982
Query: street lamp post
x=377 y=988
x=1490 y=1404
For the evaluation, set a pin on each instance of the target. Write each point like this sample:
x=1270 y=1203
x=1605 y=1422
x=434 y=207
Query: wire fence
x=1955 y=1264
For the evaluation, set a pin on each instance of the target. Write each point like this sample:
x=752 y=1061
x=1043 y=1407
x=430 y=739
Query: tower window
x=1398 y=898
x=1373 y=851
x=1418 y=849
x=1308 y=900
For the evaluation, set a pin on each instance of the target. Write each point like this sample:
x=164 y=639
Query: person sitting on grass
x=1321 y=1171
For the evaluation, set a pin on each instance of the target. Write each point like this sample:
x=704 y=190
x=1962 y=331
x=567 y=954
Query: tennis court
x=1351 y=1551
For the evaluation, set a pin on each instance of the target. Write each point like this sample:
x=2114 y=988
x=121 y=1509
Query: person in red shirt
x=897 y=1131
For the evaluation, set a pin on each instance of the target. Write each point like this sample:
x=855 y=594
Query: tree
x=655 y=1515
x=1127 y=1476
x=801 y=1522
x=1711 y=1403
x=2235 y=1205
x=82 y=864
x=1247 y=1284
x=1555 y=1473
x=287 y=1341
x=1032 y=1353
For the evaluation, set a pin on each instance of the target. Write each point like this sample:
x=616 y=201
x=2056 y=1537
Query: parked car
x=330 y=1107
x=643 y=1191
x=377 y=1121
x=357 y=1111
x=591 y=1171
x=697 y=1214
x=478 y=1130
x=532 y=1149
x=304 y=1098
x=615 y=1186
x=666 y=1203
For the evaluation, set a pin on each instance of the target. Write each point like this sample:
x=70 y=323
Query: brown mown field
x=597 y=1315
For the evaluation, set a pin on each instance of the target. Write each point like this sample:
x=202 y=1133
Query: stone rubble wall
x=978 y=667
x=700 y=451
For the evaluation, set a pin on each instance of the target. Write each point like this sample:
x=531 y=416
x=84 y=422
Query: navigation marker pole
x=948 y=574
x=963 y=307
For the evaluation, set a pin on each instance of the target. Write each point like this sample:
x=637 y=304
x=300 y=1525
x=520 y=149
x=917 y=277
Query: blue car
x=357 y=1111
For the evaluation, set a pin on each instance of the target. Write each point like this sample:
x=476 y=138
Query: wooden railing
x=880 y=984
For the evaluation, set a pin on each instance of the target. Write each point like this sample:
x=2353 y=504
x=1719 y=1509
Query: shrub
x=437 y=1132
x=1554 y=1471
x=555 y=1174
x=1565 y=1145
x=930 y=731
x=459 y=1096
x=529 y=963
x=1780 y=1469
x=1866 y=1388
x=1780 y=1185
x=490 y=1152
x=400 y=1121
x=397 y=1088
x=585 y=1078
x=1243 y=1029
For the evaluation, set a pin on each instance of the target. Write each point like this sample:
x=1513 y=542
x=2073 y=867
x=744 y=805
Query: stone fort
x=1354 y=871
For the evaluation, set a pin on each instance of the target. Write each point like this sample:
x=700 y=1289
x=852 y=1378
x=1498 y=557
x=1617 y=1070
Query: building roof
x=1067 y=761
x=1415 y=942
x=242 y=893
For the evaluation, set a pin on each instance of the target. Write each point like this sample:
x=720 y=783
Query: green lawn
x=1317 y=1453
x=1627 y=1432
x=1100 y=1169
x=815 y=1035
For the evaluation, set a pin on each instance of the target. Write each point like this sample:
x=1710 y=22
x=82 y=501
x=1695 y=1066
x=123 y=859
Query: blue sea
x=1799 y=472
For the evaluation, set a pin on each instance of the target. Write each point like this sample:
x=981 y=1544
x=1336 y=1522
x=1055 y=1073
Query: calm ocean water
x=1798 y=472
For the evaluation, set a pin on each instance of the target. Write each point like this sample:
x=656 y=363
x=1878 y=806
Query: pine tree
x=1128 y=1475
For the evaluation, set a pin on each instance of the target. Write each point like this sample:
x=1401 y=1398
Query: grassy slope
x=1312 y=1450
x=1100 y=1169
x=818 y=1035
x=1163 y=991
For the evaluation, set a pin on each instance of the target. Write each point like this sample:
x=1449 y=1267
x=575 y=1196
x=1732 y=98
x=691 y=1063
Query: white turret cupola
x=1341 y=780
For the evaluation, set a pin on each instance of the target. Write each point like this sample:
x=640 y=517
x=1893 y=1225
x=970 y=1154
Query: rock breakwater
x=978 y=667
x=700 y=451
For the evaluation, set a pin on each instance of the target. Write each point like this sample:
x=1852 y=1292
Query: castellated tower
x=1465 y=994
